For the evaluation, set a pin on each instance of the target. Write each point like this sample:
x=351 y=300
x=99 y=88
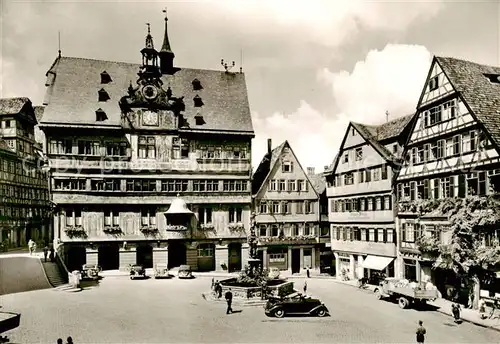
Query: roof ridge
x=467 y=61
x=13 y=98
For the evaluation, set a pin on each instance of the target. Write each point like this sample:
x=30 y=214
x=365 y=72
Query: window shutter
x=403 y=231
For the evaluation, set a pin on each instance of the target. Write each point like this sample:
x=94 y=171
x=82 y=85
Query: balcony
x=365 y=247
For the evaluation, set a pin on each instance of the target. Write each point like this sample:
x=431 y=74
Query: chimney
x=310 y=171
x=326 y=167
x=269 y=146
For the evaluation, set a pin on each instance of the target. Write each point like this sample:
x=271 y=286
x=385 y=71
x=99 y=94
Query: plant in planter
x=236 y=226
x=112 y=230
x=149 y=230
x=207 y=227
x=176 y=228
x=75 y=232
x=428 y=245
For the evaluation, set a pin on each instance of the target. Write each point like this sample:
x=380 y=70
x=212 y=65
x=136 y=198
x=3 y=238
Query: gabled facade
x=24 y=194
x=452 y=152
x=287 y=212
x=150 y=163
x=360 y=195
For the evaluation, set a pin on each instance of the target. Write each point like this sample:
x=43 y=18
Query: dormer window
x=494 y=78
x=103 y=95
x=100 y=115
x=196 y=85
x=105 y=78
x=433 y=83
x=199 y=119
x=197 y=101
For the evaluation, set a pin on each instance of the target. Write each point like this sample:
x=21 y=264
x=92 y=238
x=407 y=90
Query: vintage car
x=404 y=292
x=90 y=271
x=185 y=272
x=137 y=271
x=161 y=271
x=295 y=304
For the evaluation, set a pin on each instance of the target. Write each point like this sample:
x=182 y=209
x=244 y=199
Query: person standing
x=420 y=332
x=52 y=256
x=213 y=284
x=455 y=309
x=229 y=300
x=305 y=287
x=30 y=246
x=308 y=273
x=45 y=252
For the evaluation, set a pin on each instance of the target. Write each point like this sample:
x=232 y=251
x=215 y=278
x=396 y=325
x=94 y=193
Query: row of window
x=459 y=144
x=21 y=192
x=440 y=113
x=359 y=177
x=462 y=185
x=289 y=229
x=151 y=185
x=287 y=207
x=382 y=235
x=361 y=204
x=18 y=168
x=73 y=217
x=20 y=212
x=288 y=185
x=147 y=148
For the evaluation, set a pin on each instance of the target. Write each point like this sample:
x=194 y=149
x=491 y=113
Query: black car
x=137 y=271
x=295 y=304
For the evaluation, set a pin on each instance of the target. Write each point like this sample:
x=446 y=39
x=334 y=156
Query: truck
x=406 y=294
x=8 y=321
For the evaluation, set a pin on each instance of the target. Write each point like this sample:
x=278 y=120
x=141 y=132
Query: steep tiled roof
x=376 y=134
x=480 y=94
x=73 y=94
x=12 y=106
x=265 y=167
x=318 y=181
x=39 y=112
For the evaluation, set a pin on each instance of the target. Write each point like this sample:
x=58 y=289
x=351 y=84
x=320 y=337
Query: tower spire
x=166 y=53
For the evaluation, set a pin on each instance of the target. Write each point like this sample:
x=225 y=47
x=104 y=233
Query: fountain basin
x=247 y=291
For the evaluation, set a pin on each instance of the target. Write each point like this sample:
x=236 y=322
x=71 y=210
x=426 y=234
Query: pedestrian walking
x=52 y=256
x=305 y=287
x=45 y=252
x=455 y=309
x=69 y=340
x=308 y=273
x=229 y=301
x=420 y=332
x=59 y=341
x=31 y=243
x=482 y=309
x=213 y=284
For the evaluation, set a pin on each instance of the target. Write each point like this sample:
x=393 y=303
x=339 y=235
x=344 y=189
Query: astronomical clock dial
x=150 y=92
x=150 y=118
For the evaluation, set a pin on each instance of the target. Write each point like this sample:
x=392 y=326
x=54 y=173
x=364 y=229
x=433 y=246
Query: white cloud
x=387 y=80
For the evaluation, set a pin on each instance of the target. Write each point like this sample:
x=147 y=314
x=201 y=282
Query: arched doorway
x=234 y=257
x=76 y=256
x=144 y=255
x=108 y=256
x=206 y=257
x=176 y=254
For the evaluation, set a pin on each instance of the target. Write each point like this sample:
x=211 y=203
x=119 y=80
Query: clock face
x=149 y=92
x=150 y=118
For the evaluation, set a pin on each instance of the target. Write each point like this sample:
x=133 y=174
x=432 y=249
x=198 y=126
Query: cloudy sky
x=311 y=66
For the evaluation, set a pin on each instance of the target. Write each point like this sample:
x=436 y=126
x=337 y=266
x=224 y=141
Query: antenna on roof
x=386 y=116
x=59 y=42
x=241 y=60
x=226 y=66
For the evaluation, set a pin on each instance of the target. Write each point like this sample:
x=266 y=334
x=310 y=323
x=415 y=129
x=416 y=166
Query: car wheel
x=378 y=294
x=321 y=312
x=403 y=302
x=131 y=277
x=279 y=313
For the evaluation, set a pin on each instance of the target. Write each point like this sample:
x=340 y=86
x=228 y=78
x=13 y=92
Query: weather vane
x=226 y=66
x=165 y=11
x=149 y=28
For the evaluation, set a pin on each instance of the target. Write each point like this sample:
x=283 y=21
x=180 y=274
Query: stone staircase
x=55 y=277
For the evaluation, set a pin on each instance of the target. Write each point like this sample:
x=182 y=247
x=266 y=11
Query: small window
x=353 y=132
x=103 y=95
x=199 y=119
x=346 y=158
x=196 y=85
x=359 y=154
x=395 y=148
x=433 y=83
x=197 y=101
x=100 y=115
x=105 y=78
x=287 y=166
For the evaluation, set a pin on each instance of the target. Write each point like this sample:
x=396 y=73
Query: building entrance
x=295 y=260
x=144 y=256
x=234 y=252
x=176 y=254
x=108 y=256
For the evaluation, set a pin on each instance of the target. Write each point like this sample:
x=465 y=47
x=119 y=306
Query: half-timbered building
x=24 y=198
x=287 y=212
x=150 y=162
x=452 y=152
x=360 y=194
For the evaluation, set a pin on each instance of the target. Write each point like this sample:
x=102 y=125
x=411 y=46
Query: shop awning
x=377 y=262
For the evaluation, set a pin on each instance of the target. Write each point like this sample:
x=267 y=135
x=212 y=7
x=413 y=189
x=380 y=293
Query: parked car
x=161 y=271
x=137 y=270
x=273 y=273
x=295 y=304
x=185 y=272
x=90 y=271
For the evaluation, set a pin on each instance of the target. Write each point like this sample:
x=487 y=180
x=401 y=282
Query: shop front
x=377 y=268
